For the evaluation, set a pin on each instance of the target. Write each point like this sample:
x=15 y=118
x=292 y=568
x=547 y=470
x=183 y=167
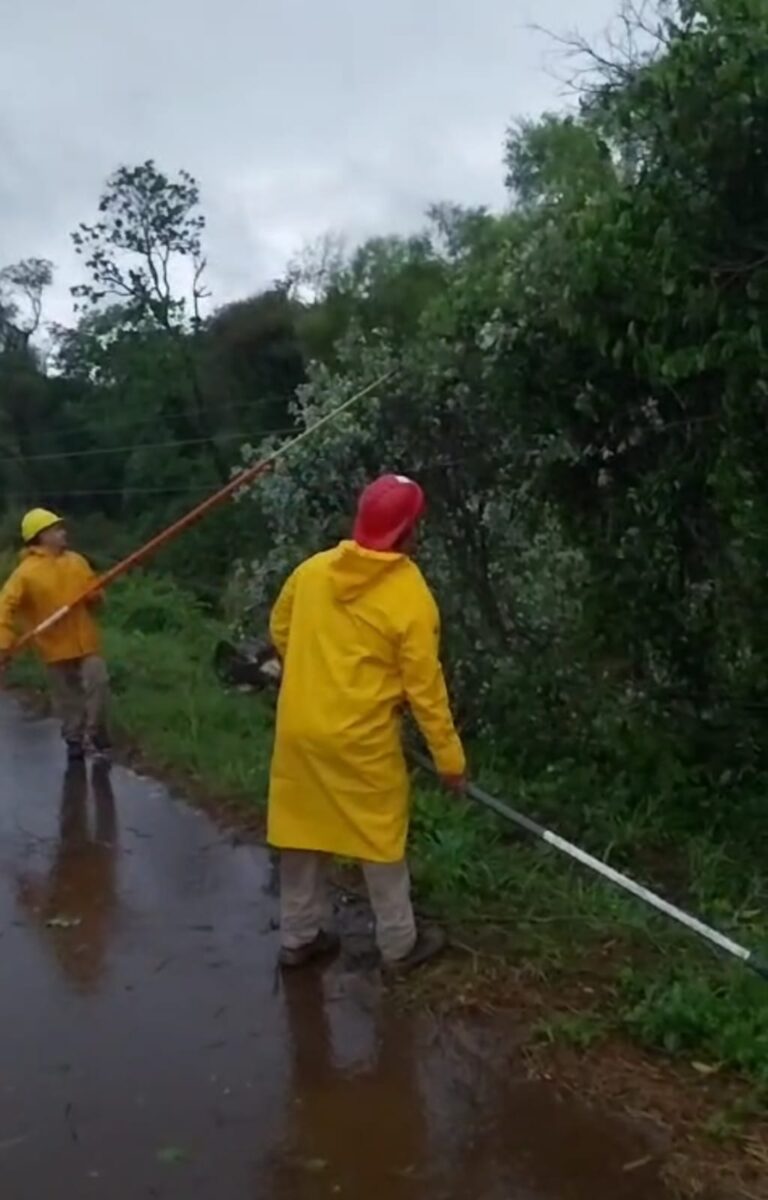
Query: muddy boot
x=75 y=750
x=99 y=748
x=324 y=945
x=430 y=941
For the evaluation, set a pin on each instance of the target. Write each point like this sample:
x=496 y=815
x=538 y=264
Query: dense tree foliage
x=584 y=394
x=581 y=387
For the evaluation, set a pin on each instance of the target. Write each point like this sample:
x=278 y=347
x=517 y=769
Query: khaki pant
x=305 y=905
x=80 y=689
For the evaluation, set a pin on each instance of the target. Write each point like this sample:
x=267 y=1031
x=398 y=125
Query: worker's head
x=45 y=529
x=388 y=511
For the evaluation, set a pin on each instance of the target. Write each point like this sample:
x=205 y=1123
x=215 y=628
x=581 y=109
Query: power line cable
x=425 y=469
x=209 y=414
x=54 y=456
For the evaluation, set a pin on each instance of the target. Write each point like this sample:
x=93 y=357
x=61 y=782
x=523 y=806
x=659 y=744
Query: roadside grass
x=533 y=910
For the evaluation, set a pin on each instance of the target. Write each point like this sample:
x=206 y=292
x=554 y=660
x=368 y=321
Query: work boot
x=324 y=945
x=100 y=752
x=430 y=941
x=75 y=750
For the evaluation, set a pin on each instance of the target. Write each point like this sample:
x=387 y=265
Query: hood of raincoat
x=354 y=569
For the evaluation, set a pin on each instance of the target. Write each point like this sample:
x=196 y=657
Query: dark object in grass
x=251 y=664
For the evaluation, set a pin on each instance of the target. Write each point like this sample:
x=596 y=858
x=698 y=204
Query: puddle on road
x=151 y=1050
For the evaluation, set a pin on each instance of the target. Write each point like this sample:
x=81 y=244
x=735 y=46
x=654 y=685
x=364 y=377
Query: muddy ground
x=152 y=1049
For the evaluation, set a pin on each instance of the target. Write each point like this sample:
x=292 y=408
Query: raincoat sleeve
x=280 y=618
x=11 y=600
x=89 y=577
x=425 y=690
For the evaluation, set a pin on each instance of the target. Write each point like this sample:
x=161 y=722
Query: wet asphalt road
x=149 y=1049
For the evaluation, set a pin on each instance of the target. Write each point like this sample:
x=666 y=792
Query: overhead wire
x=424 y=469
x=98 y=451
x=229 y=410
x=126 y=491
x=212 y=501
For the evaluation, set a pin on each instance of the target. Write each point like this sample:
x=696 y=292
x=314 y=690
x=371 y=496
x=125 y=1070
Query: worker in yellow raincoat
x=357 y=631
x=49 y=577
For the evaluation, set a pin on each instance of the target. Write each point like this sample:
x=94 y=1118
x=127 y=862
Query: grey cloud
x=297 y=117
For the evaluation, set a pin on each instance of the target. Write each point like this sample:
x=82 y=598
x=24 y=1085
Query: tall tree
x=21 y=300
x=254 y=360
x=145 y=255
x=26 y=417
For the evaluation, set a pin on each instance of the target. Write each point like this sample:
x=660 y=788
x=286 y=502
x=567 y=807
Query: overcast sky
x=297 y=117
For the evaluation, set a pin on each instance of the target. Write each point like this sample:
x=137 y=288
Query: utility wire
x=427 y=469
x=228 y=410
x=126 y=491
x=55 y=456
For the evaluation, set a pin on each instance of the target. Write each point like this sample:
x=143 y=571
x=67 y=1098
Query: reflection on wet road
x=149 y=1048
x=73 y=897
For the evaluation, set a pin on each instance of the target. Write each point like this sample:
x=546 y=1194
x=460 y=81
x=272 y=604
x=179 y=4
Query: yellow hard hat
x=36 y=521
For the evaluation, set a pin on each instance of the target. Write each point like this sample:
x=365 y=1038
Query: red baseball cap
x=387 y=510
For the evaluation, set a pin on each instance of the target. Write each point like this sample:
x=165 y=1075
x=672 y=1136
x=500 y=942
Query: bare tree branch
x=27 y=279
x=640 y=32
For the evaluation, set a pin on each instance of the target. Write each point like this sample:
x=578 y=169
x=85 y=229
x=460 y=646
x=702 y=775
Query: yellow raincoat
x=41 y=584
x=358 y=633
